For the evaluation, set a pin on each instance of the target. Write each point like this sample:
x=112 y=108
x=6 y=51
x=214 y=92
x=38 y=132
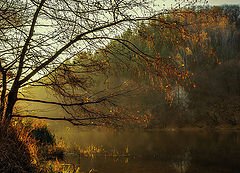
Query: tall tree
x=40 y=37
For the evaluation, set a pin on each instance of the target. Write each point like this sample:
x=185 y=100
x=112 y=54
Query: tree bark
x=12 y=98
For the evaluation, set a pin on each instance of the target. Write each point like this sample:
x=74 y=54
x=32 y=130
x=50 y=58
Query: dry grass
x=27 y=146
x=18 y=150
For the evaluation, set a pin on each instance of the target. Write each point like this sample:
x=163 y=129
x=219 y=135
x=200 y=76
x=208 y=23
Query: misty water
x=151 y=151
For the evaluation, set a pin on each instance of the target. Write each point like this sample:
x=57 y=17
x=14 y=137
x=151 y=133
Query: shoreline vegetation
x=28 y=146
x=44 y=153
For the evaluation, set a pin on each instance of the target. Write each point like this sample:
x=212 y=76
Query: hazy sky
x=170 y=3
x=220 y=2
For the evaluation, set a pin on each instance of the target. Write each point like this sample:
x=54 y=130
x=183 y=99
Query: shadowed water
x=152 y=151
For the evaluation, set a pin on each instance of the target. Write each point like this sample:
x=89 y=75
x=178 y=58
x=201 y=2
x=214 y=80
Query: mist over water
x=142 y=151
x=159 y=151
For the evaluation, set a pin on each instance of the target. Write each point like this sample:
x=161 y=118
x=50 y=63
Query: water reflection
x=153 y=151
x=183 y=163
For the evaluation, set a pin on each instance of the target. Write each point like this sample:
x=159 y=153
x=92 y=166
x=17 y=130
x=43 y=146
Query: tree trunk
x=12 y=98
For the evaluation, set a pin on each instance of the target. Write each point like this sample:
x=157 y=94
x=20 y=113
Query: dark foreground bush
x=43 y=135
x=16 y=151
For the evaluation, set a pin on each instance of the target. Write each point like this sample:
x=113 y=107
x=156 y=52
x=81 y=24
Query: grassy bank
x=28 y=146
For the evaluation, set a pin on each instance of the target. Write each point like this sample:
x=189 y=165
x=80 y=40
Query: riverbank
x=177 y=129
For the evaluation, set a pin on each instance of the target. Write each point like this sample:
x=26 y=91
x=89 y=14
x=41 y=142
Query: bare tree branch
x=64 y=104
x=74 y=121
x=25 y=47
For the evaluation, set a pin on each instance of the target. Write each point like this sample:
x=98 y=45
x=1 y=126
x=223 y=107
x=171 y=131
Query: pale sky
x=221 y=2
x=163 y=4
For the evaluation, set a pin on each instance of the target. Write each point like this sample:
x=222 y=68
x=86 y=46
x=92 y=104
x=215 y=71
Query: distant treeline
x=204 y=54
x=183 y=69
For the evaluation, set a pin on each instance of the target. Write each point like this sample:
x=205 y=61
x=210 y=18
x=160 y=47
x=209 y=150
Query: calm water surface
x=106 y=151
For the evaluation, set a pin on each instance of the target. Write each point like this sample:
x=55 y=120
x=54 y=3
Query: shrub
x=43 y=136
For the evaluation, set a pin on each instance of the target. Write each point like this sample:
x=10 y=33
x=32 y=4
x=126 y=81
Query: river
x=152 y=151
